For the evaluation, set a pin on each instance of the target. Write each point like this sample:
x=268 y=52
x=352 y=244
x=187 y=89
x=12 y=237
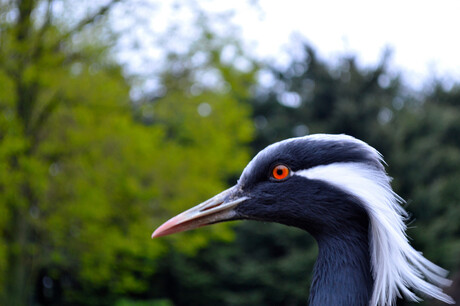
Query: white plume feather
x=397 y=267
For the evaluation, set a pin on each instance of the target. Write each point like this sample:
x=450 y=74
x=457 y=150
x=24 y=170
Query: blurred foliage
x=83 y=179
x=425 y=161
x=128 y=302
x=86 y=173
x=267 y=264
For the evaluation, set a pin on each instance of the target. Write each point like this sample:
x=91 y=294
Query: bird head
x=276 y=187
x=328 y=185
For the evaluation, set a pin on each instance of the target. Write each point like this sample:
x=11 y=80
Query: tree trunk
x=20 y=267
x=19 y=285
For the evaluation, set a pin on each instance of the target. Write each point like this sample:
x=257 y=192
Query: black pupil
x=279 y=171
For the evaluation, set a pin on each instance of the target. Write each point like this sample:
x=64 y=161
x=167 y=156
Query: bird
x=336 y=188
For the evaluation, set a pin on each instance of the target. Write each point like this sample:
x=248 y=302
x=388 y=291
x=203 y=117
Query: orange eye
x=280 y=172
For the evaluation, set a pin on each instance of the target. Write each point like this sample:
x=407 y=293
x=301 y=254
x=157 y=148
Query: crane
x=335 y=187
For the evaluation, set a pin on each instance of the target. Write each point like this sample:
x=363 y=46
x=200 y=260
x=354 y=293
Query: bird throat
x=342 y=274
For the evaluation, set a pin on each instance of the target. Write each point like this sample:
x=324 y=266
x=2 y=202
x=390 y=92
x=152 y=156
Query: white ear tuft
x=397 y=267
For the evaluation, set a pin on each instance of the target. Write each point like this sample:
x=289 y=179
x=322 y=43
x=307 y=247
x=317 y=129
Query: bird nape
x=336 y=188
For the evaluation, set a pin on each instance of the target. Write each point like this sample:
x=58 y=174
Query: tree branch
x=38 y=48
x=45 y=113
x=84 y=22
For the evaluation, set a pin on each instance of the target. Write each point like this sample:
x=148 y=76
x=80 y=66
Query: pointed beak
x=217 y=209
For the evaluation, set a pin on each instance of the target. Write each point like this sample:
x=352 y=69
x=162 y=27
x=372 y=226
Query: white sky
x=424 y=35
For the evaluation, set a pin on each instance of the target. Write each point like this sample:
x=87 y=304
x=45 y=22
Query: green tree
x=425 y=161
x=83 y=182
x=312 y=96
x=33 y=60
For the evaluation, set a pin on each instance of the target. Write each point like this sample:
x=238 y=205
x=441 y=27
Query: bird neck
x=342 y=274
